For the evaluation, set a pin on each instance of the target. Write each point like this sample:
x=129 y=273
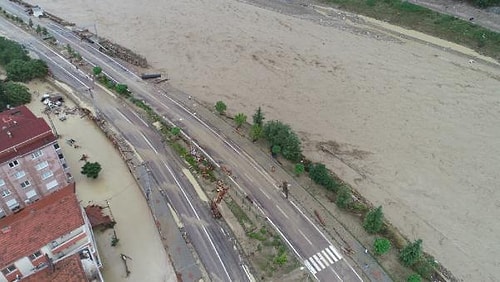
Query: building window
x=61 y=156
x=5 y=193
x=25 y=184
x=35 y=255
x=51 y=184
x=20 y=174
x=9 y=269
x=47 y=174
x=2 y=213
x=42 y=165
x=13 y=163
x=56 y=146
x=65 y=166
x=36 y=154
x=2 y=183
x=13 y=204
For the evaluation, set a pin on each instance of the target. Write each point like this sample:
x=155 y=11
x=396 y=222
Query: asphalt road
x=214 y=245
x=306 y=240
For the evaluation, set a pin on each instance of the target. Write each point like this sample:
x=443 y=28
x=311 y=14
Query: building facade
x=32 y=164
x=45 y=233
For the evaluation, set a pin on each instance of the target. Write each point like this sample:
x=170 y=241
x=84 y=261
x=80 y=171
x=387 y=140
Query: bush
x=374 y=221
x=410 y=254
x=414 y=278
x=280 y=134
x=381 y=246
x=425 y=267
x=91 y=170
x=344 y=197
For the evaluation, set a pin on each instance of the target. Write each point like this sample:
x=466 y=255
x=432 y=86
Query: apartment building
x=51 y=238
x=31 y=162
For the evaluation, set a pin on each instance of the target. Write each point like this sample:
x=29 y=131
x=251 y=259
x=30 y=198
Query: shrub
x=344 y=197
x=374 y=221
x=410 y=254
x=414 y=278
x=381 y=246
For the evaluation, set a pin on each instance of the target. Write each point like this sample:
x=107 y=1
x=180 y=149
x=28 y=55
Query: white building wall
x=24 y=265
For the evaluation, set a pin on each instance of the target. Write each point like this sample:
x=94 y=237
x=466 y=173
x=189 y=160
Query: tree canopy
x=280 y=134
x=220 y=107
x=14 y=94
x=258 y=117
x=91 y=170
x=240 y=119
x=410 y=254
x=374 y=220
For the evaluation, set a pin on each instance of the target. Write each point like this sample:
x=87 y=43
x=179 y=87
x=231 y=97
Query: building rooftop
x=69 y=269
x=22 y=132
x=38 y=224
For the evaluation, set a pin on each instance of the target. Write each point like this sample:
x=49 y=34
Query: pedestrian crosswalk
x=322 y=259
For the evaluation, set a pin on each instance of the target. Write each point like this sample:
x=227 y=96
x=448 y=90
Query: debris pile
x=115 y=50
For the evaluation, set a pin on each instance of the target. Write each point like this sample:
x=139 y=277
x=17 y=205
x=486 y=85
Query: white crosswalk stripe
x=322 y=259
x=319 y=262
x=316 y=266
x=327 y=256
x=331 y=254
x=310 y=267
x=335 y=251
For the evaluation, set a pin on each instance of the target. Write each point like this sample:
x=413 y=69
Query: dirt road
x=413 y=126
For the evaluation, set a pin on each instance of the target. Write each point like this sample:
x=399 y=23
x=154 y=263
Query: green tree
x=281 y=259
x=38 y=68
x=414 y=278
x=240 y=119
x=44 y=31
x=18 y=70
x=10 y=51
x=258 y=117
x=374 y=220
x=381 y=246
x=121 y=88
x=425 y=266
x=344 y=197
x=255 y=132
x=275 y=149
x=38 y=29
x=97 y=70
x=175 y=131
x=16 y=94
x=30 y=23
x=319 y=174
x=410 y=254
x=220 y=107
x=299 y=169
x=278 y=133
x=91 y=169
x=70 y=50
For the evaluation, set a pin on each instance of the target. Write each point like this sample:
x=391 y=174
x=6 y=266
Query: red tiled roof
x=96 y=217
x=69 y=269
x=22 y=132
x=38 y=224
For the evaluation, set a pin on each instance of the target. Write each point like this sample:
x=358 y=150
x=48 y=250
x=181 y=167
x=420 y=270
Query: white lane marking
x=149 y=143
x=249 y=177
x=315 y=257
x=145 y=123
x=126 y=118
x=303 y=235
x=197 y=216
x=265 y=194
x=331 y=255
x=327 y=257
x=310 y=267
x=335 y=251
x=316 y=266
x=282 y=211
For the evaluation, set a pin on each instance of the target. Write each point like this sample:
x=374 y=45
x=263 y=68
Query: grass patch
x=240 y=215
x=425 y=20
